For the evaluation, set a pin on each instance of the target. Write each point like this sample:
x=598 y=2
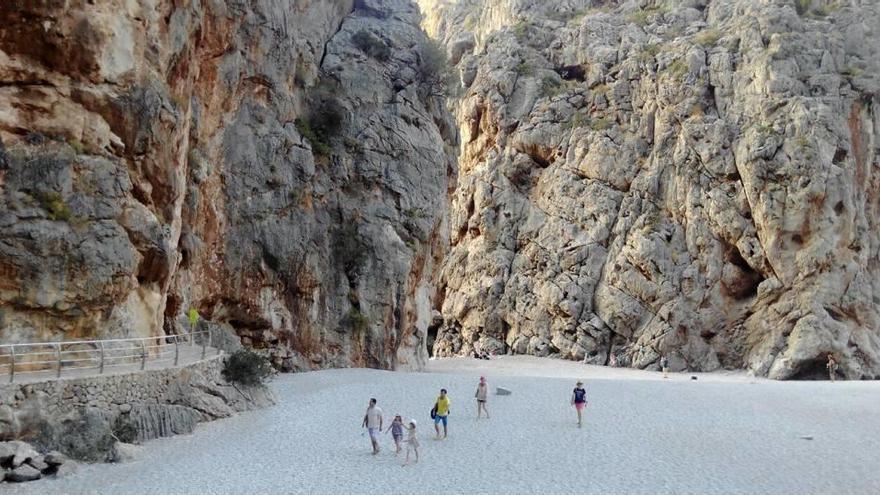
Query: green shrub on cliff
x=371 y=45
x=434 y=71
x=356 y=321
x=54 y=204
x=246 y=367
x=708 y=37
x=321 y=125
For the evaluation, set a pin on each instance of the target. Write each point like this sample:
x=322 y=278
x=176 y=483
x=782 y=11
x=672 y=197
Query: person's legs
x=481 y=405
x=665 y=372
x=437 y=426
x=445 y=419
x=579 y=408
x=373 y=440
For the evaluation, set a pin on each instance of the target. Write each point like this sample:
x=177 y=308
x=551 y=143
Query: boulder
x=84 y=434
x=55 y=458
x=7 y=451
x=24 y=472
x=502 y=391
x=23 y=453
x=39 y=462
x=124 y=452
x=68 y=467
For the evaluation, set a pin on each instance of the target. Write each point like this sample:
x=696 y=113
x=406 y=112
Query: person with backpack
x=579 y=400
x=440 y=412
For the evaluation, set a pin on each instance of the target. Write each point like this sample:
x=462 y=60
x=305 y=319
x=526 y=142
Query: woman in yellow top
x=441 y=411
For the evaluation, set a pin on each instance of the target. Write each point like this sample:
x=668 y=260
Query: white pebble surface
x=724 y=433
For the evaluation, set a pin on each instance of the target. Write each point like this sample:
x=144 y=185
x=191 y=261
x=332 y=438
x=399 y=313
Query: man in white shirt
x=373 y=423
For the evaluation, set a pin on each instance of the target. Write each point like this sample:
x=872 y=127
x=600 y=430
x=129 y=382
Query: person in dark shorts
x=579 y=400
x=482 y=395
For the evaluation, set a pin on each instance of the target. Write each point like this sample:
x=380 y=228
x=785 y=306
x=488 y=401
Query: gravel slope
x=719 y=434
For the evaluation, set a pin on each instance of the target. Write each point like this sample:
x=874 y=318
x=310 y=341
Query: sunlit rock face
x=259 y=162
x=692 y=179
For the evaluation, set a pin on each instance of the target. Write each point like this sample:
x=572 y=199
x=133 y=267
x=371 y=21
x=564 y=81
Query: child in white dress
x=412 y=442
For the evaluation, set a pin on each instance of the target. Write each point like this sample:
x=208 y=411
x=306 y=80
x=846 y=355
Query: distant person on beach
x=482 y=395
x=612 y=361
x=832 y=367
x=373 y=423
x=412 y=441
x=440 y=413
x=579 y=400
x=396 y=430
x=664 y=365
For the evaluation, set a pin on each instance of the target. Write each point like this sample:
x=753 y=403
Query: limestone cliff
x=278 y=166
x=696 y=179
x=691 y=178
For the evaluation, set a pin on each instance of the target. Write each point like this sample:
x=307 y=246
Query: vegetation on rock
x=246 y=367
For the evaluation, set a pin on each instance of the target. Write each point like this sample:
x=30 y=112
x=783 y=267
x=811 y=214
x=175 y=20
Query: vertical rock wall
x=696 y=179
x=251 y=160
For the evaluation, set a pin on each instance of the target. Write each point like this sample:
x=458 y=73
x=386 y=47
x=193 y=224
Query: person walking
x=373 y=423
x=481 y=395
x=396 y=430
x=441 y=413
x=412 y=441
x=832 y=367
x=579 y=400
x=664 y=365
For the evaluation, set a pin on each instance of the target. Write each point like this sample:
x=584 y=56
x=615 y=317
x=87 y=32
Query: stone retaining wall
x=85 y=417
x=115 y=392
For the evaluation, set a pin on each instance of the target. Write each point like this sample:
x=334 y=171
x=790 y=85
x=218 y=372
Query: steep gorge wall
x=160 y=156
x=697 y=179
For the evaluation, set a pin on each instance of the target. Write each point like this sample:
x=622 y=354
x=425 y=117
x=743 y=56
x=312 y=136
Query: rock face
x=280 y=167
x=694 y=179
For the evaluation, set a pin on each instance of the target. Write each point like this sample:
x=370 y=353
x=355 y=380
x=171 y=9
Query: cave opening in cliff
x=572 y=73
x=746 y=284
x=812 y=369
x=433 y=328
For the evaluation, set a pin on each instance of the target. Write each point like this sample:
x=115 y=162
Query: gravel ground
x=643 y=434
